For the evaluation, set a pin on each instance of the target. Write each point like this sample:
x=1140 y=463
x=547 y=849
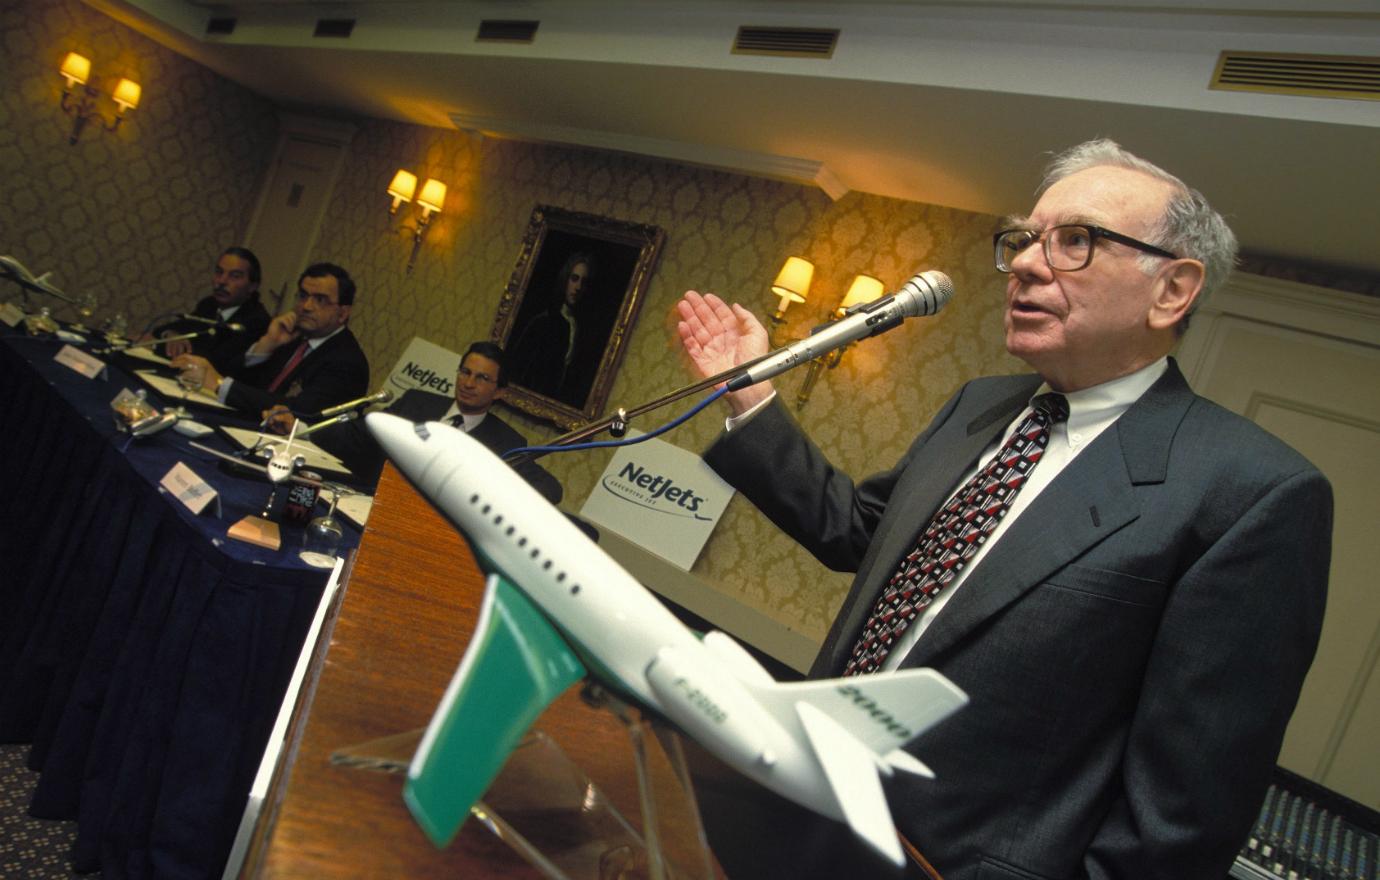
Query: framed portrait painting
x=569 y=307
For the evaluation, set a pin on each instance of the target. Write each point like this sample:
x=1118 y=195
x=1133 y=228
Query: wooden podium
x=379 y=669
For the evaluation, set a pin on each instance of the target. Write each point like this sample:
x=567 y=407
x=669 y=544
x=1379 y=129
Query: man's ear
x=1176 y=289
x=501 y=393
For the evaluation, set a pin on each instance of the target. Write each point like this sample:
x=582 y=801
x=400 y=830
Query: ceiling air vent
x=334 y=27
x=220 y=27
x=1318 y=76
x=791 y=42
x=498 y=31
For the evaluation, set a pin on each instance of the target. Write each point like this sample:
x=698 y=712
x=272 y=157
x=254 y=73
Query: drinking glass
x=115 y=326
x=191 y=378
x=86 y=307
x=322 y=538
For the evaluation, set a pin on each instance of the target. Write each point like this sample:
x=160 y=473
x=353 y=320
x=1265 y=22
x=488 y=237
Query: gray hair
x=1189 y=227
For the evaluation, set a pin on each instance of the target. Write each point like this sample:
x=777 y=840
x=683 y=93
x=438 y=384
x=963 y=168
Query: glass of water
x=323 y=536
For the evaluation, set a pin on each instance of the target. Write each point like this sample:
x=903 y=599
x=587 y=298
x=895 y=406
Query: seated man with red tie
x=307 y=360
x=480 y=379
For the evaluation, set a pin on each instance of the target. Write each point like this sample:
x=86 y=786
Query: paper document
x=174 y=392
x=146 y=354
x=317 y=459
x=355 y=508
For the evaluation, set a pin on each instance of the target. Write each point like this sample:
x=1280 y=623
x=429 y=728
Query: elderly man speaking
x=1127 y=580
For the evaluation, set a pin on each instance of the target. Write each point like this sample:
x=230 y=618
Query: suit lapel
x=1093 y=497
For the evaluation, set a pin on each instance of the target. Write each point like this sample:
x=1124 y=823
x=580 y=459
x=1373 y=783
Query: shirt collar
x=1103 y=403
x=472 y=421
x=314 y=344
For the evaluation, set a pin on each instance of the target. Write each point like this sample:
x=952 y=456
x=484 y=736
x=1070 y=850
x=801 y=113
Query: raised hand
x=281 y=330
x=717 y=337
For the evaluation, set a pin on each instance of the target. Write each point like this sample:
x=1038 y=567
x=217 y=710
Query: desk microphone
x=150 y=343
x=214 y=322
x=383 y=396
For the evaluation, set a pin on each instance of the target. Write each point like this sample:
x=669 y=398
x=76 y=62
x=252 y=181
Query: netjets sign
x=426 y=366
x=660 y=497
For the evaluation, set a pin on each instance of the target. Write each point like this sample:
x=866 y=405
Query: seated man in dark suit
x=233 y=303
x=307 y=360
x=1126 y=579
x=480 y=380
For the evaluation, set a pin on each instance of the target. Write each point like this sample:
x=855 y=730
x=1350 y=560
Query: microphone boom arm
x=623 y=415
x=923 y=295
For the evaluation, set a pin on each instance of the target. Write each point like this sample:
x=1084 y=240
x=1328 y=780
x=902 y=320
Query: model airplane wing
x=515 y=666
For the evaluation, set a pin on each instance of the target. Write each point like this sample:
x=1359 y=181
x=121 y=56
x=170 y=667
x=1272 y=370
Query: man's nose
x=1031 y=262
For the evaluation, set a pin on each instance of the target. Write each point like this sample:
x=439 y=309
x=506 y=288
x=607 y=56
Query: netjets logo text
x=428 y=379
x=635 y=484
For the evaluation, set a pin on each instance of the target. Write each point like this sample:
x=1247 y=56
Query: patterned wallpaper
x=136 y=216
x=724 y=232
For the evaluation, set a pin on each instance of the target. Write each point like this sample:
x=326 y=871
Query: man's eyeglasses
x=482 y=378
x=316 y=299
x=1068 y=248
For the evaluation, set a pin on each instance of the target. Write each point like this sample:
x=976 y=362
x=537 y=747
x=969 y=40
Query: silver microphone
x=214 y=322
x=921 y=296
x=383 y=396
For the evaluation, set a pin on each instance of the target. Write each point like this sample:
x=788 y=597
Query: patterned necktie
x=288 y=367
x=955 y=534
x=458 y=421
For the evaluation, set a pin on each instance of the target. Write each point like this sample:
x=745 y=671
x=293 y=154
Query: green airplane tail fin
x=515 y=666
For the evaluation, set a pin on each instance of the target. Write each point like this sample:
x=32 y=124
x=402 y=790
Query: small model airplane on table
x=557 y=608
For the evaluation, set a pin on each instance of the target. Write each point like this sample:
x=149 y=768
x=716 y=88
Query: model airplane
x=556 y=605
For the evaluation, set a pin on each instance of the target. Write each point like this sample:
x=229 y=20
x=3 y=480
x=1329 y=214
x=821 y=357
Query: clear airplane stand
x=544 y=806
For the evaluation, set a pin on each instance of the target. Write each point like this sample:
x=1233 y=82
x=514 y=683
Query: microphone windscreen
x=927 y=293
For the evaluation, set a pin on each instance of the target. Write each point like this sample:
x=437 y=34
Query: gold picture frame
x=569 y=307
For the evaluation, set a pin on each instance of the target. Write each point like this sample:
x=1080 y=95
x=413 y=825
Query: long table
x=142 y=652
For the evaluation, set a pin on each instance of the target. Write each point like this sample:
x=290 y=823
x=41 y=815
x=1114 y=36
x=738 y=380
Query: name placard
x=11 y=314
x=78 y=360
x=183 y=484
x=424 y=365
x=660 y=497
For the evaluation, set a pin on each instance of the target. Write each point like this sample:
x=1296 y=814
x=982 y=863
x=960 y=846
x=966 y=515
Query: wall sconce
x=792 y=284
x=863 y=290
x=76 y=70
x=431 y=199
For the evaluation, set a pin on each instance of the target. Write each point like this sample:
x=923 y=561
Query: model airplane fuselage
x=821 y=744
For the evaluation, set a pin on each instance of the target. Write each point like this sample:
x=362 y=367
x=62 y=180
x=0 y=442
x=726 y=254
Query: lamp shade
x=126 y=94
x=433 y=195
x=864 y=289
x=793 y=281
x=403 y=186
x=76 y=68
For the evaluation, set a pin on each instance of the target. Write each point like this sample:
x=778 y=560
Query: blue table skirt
x=142 y=653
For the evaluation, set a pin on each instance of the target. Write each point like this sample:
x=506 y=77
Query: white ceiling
x=952 y=103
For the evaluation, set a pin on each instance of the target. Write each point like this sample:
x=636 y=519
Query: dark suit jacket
x=225 y=348
x=336 y=372
x=353 y=444
x=1133 y=645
